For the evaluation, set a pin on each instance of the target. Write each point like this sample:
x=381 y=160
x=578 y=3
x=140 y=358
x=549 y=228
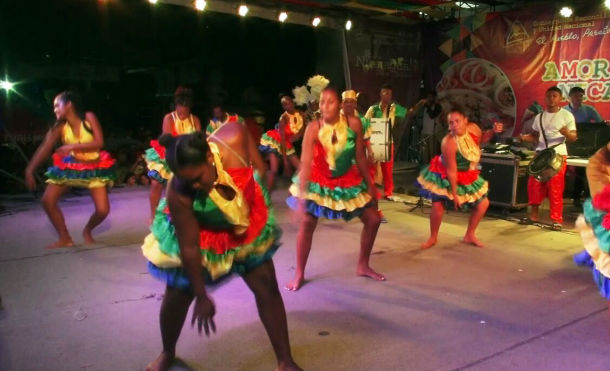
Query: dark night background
x=126 y=58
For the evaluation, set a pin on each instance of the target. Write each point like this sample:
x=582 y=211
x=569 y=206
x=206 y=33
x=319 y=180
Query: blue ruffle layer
x=324 y=212
x=447 y=203
x=154 y=174
x=603 y=283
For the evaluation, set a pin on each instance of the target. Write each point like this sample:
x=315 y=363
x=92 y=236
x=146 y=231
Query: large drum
x=380 y=139
x=545 y=164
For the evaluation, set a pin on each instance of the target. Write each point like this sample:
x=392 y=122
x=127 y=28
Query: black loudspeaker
x=507 y=177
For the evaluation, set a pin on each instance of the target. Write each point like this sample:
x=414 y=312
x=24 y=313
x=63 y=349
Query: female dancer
x=349 y=105
x=180 y=121
x=217 y=220
x=79 y=162
x=278 y=142
x=330 y=185
x=594 y=225
x=452 y=179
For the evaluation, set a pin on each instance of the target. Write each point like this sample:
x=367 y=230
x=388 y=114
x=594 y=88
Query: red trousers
x=386 y=171
x=553 y=189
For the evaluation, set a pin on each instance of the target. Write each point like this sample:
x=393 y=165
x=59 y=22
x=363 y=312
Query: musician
x=430 y=134
x=582 y=113
x=221 y=117
x=349 y=103
x=551 y=128
x=389 y=110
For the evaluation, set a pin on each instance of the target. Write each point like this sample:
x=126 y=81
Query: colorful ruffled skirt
x=222 y=251
x=68 y=171
x=341 y=197
x=434 y=185
x=270 y=143
x=594 y=228
x=155 y=161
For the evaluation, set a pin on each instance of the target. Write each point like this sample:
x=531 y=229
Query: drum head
x=541 y=161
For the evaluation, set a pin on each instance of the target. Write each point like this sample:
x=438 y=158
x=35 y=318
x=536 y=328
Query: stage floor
x=518 y=304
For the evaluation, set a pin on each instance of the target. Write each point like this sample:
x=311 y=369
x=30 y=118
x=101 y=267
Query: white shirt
x=427 y=124
x=552 y=123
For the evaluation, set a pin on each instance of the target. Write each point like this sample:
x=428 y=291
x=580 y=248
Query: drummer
x=551 y=128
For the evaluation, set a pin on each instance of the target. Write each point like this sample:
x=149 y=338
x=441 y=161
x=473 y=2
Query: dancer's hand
x=371 y=158
x=299 y=212
x=456 y=203
x=64 y=150
x=203 y=313
x=30 y=181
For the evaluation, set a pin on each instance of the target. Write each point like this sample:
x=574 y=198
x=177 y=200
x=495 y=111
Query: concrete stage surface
x=518 y=304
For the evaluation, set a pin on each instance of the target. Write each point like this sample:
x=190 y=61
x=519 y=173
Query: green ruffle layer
x=165 y=232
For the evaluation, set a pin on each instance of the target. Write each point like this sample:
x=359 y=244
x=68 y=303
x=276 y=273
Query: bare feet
x=63 y=242
x=428 y=244
x=295 y=284
x=367 y=271
x=88 y=237
x=163 y=362
x=288 y=366
x=473 y=241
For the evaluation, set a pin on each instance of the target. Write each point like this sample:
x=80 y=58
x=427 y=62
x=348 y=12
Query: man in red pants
x=552 y=127
x=388 y=110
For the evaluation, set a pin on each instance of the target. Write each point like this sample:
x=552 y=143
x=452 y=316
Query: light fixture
x=607 y=4
x=6 y=85
x=200 y=4
x=348 y=24
x=315 y=21
x=465 y=5
x=566 y=11
x=282 y=17
x=152 y=1
x=243 y=10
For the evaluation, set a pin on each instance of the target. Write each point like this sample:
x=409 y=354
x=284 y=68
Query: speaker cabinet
x=507 y=177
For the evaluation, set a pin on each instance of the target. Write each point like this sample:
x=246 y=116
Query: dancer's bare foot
x=62 y=242
x=162 y=363
x=367 y=271
x=288 y=366
x=428 y=244
x=473 y=241
x=295 y=284
x=88 y=237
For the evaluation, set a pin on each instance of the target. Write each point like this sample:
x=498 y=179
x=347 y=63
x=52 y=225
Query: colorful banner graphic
x=501 y=64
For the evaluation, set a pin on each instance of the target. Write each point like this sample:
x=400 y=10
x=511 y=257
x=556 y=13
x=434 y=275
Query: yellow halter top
x=85 y=136
x=185 y=126
x=295 y=121
x=236 y=210
x=333 y=138
x=469 y=149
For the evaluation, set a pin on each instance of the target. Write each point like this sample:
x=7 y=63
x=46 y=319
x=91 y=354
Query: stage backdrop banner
x=500 y=64
x=379 y=54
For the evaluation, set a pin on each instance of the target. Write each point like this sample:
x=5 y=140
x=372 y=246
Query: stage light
x=465 y=5
x=243 y=10
x=6 y=85
x=200 y=4
x=607 y=4
x=348 y=25
x=566 y=11
x=152 y=1
x=315 y=21
x=282 y=17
